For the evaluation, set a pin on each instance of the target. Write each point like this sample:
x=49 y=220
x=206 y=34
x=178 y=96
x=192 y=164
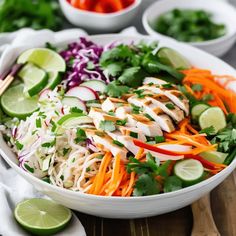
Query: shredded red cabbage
x=82 y=60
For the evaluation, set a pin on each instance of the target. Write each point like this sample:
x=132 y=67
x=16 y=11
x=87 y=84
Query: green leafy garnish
x=37 y=14
x=197 y=87
x=208 y=131
x=27 y=167
x=116 y=89
x=170 y=106
x=172 y=183
x=118 y=143
x=19 y=146
x=75 y=110
x=146 y=185
x=121 y=122
x=38 y=123
x=159 y=139
x=80 y=136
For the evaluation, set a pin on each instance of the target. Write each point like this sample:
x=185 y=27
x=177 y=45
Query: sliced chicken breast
x=155 y=112
x=150 y=128
x=175 y=96
x=126 y=131
x=105 y=142
x=110 y=104
x=153 y=80
x=127 y=141
x=167 y=107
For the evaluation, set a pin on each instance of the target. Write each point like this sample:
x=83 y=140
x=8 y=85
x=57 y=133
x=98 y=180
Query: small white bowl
x=99 y=21
x=222 y=12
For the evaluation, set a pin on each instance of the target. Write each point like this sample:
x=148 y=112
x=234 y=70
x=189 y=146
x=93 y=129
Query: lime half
x=189 y=171
x=16 y=104
x=213 y=116
x=214 y=156
x=41 y=216
x=35 y=79
x=44 y=58
x=171 y=57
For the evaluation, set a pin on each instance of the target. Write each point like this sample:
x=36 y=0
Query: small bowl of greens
x=207 y=26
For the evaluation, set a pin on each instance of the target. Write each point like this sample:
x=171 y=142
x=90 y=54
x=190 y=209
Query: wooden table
x=177 y=223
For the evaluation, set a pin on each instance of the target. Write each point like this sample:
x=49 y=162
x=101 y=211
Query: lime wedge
x=213 y=116
x=35 y=79
x=214 y=156
x=43 y=58
x=189 y=171
x=172 y=58
x=41 y=216
x=54 y=79
x=16 y=104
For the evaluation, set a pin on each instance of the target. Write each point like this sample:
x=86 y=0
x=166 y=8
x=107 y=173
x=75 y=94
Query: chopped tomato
x=83 y=4
x=127 y=3
x=111 y=5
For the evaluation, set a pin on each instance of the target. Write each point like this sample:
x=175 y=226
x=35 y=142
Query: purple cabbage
x=82 y=60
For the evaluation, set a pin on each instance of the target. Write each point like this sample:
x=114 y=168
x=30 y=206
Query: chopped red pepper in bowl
x=101 y=6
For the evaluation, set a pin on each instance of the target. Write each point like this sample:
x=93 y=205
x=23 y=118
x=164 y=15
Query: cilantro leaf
x=113 y=69
x=208 y=131
x=115 y=89
x=107 y=125
x=197 y=87
x=19 y=146
x=80 y=136
x=146 y=185
x=133 y=76
x=172 y=183
x=118 y=143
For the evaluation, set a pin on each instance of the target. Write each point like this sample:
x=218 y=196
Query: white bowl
x=98 y=21
x=133 y=207
x=222 y=12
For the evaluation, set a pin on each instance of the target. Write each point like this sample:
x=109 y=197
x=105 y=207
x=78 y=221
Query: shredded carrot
x=211 y=85
x=99 y=179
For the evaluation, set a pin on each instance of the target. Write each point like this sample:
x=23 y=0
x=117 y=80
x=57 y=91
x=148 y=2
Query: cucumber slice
x=96 y=85
x=16 y=104
x=73 y=120
x=214 y=156
x=189 y=171
x=74 y=102
x=54 y=78
x=35 y=79
x=213 y=116
x=43 y=58
x=197 y=110
x=172 y=58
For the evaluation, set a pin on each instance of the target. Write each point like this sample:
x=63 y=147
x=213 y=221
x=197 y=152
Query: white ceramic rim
x=148 y=28
x=232 y=166
x=105 y=15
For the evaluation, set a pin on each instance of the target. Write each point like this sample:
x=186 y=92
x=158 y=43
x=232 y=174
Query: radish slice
x=44 y=94
x=83 y=93
x=96 y=85
x=74 y=102
x=164 y=157
x=175 y=147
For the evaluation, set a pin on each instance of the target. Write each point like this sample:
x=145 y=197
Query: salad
x=118 y=120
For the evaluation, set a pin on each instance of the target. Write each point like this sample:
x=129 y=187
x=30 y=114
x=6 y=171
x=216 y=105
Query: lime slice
x=172 y=58
x=16 y=104
x=213 y=116
x=197 y=110
x=189 y=171
x=41 y=216
x=44 y=58
x=54 y=79
x=34 y=79
x=214 y=156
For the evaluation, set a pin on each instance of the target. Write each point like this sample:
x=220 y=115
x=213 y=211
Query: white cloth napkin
x=13 y=188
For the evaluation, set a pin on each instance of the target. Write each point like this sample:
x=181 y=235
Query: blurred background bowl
x=104 y=22
x=222 y=12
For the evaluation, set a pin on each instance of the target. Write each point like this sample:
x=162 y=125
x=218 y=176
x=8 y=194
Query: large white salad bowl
x=133 y=207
